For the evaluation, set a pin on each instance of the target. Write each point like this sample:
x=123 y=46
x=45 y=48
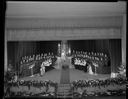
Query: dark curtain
x=24 y=49
x=16 y=50
x=115 y=54
x=11 y=47
x=91 y=46
x=102 y=46
x=48 y=46
x=110 y=47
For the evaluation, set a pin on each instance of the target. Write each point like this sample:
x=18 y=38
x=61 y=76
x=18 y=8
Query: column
x=5 y=53
x=124 y=40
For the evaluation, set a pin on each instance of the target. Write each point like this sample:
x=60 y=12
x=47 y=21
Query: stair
x=64 y=91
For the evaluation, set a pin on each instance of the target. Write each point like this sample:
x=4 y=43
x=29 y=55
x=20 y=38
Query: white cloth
x=42 y=69
x=90 y=70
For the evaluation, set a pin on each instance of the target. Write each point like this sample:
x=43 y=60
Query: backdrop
x=115 y=54
x=112 y=47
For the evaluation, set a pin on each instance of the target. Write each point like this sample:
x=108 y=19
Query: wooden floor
x=75 y=74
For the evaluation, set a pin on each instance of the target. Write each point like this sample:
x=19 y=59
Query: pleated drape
x=18 y=49
x=115 y=54
x=91 y=45
x=111 y=47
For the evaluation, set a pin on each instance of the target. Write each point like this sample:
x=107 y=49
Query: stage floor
x=55 y=75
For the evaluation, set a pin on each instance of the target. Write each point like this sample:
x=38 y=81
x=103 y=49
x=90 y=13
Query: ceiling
x=63 y=9
x=65 y=16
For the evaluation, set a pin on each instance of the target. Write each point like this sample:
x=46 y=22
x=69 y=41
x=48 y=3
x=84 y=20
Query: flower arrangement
x=29 y=84
x=122 y=70
x=80 y=87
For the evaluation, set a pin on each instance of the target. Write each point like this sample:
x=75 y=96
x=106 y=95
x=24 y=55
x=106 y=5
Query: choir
x=80 y=58
x=42 y=62
x=89 y=61
x=43 y=57
x=78 y=61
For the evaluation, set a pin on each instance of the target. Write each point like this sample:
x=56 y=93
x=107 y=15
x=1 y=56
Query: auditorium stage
x=75 y=74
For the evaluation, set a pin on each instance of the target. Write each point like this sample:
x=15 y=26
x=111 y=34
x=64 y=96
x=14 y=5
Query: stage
x=60 y=83
x=55 y=75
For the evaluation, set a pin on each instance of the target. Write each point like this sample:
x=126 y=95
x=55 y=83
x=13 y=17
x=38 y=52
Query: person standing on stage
x=42 y=69
x=89 y=68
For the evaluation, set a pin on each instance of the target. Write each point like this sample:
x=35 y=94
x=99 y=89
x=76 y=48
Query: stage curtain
x=91 y=45
x=101 y=46
x=24 y=49
x=16 y=50
x=115 y=54
x=11 y=51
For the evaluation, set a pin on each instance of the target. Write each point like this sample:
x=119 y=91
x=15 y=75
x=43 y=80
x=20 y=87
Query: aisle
x=65 y=77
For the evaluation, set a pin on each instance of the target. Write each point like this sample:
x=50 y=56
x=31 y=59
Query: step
x=64 y=96
x=63 y=85
x=64 y=88
x=67 y=94
x=64 y=91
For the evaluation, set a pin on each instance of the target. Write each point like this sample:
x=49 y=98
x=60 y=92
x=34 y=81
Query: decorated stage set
x=67 y=68
x=65 y=50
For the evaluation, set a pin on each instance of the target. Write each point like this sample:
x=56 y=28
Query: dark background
x=112 y=47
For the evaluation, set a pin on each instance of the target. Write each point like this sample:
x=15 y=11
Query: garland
x=74 y=85
x=32 y=83
x=98 y=83
x=106 y=93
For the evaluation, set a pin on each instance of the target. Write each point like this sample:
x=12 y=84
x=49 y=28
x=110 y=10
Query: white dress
x=90 y=70
x=42 y=69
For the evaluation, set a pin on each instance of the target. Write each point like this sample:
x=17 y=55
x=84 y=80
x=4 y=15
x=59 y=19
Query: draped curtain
x=19 y=49
x=91 y=45
x=111 y=47
x=115 y=54
x=16 y=50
